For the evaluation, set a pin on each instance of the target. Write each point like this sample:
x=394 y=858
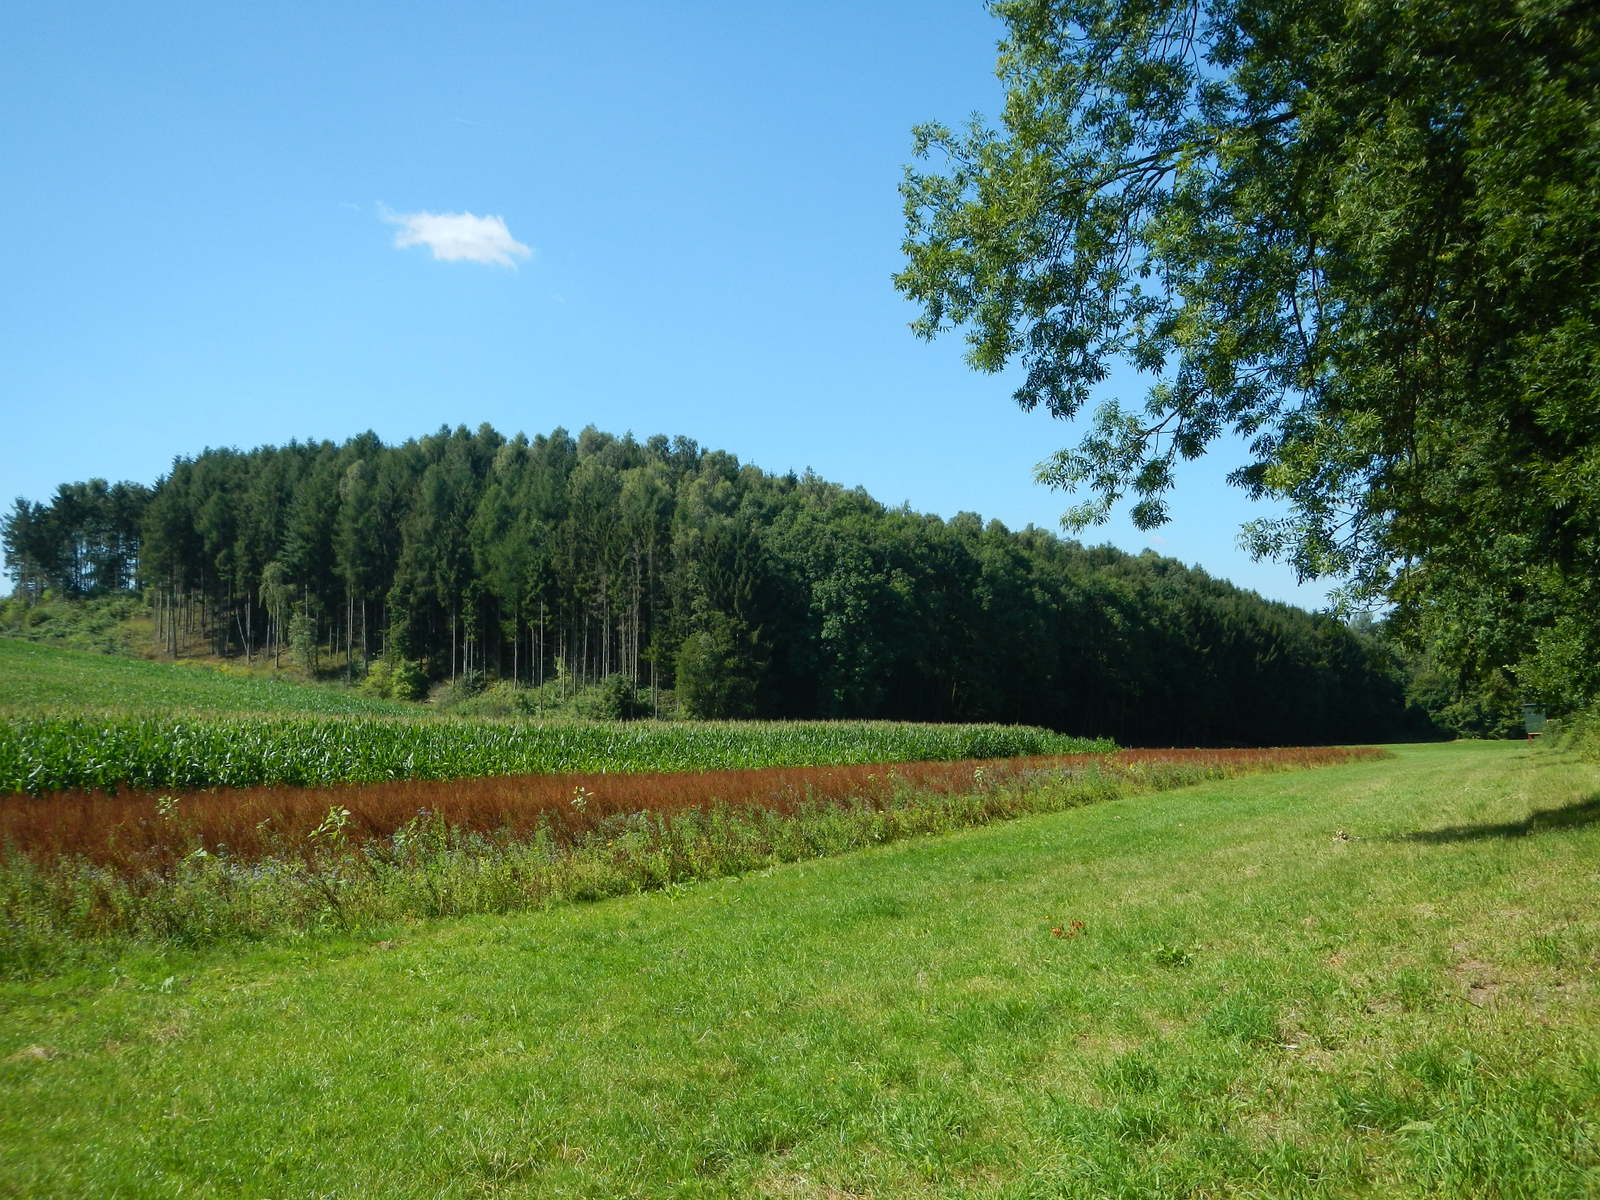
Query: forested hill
x=750 y=593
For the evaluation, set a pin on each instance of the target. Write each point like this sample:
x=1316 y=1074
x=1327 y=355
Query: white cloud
x=458 y=237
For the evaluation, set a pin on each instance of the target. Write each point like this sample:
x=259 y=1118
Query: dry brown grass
x=130 y=829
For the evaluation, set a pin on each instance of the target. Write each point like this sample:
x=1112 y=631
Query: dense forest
x=746 y=593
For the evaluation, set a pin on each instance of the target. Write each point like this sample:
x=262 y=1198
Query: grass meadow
x=1371 y=979
x=40 y=679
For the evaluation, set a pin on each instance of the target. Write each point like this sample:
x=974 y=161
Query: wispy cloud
x=458 y=237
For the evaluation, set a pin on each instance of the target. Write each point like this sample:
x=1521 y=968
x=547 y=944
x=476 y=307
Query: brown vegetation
x=136 y=830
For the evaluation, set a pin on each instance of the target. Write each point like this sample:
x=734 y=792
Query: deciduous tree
x=1361 y=237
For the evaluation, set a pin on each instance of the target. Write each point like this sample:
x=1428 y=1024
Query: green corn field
x=77 y=721
x=45 y=754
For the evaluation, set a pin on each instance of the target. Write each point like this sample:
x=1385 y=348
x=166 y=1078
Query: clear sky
x=237 y=224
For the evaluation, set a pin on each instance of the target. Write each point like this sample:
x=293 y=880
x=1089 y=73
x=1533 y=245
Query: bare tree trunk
x=638 y=616
x=650 y=604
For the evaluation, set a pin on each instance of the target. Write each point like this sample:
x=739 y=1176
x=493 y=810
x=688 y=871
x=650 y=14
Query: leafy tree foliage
x=465 y=556
x=1363 y=237
x=619 y=699
x=718 y=668
x=84 y=542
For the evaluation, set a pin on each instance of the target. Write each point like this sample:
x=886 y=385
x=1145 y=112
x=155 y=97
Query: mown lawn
x=1376 y=979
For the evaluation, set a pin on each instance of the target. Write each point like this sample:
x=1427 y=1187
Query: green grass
x=111 y=624
x=1377 y=979
x=37 y=679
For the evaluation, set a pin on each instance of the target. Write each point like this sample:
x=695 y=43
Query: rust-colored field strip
x=147 y=830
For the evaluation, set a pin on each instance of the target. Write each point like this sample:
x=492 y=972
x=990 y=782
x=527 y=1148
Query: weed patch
x=200 y=868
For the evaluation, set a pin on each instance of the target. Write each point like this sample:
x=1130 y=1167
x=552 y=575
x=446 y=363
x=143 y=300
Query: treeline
x=84 y=542
x=678 y=567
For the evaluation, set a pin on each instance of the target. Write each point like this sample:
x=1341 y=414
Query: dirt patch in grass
x=1479 y=981
x=795 y=1186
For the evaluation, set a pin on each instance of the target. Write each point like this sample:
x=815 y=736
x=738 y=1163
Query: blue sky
x=695 y=221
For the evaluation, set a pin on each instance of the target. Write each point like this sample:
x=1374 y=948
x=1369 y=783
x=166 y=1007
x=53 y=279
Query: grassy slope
x=37 y=678
x=1280 y=990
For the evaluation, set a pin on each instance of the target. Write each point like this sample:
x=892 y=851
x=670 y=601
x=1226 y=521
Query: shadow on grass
x=1550 y=820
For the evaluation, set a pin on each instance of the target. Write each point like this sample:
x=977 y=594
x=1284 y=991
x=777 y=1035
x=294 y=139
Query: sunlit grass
x=1374 y=980
x=37 y=679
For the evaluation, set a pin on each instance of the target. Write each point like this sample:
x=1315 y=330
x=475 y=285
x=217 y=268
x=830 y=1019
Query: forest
x=470 y=555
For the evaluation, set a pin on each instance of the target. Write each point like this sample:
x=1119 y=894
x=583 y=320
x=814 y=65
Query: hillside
x=35 y=678
x=580 y=559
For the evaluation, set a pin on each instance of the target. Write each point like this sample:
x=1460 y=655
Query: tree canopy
x=660 y=564
x=1362 y=237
